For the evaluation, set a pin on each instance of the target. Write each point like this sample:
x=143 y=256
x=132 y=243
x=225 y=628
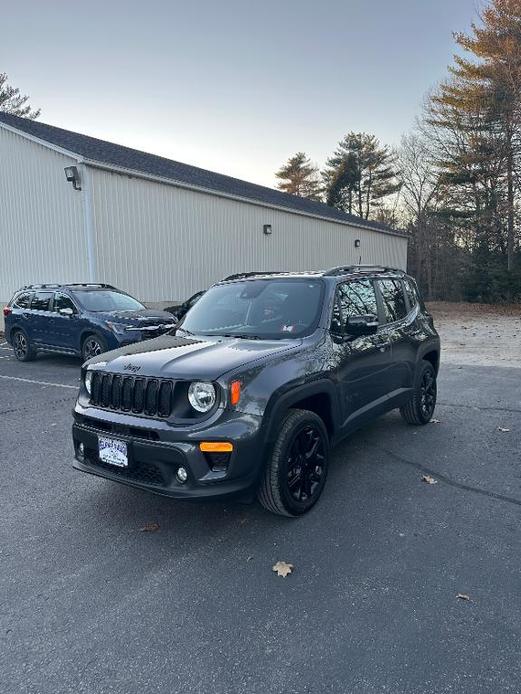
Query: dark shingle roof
x=141 y=162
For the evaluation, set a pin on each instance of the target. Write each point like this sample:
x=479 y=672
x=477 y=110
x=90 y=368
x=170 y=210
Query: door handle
x=25 y=314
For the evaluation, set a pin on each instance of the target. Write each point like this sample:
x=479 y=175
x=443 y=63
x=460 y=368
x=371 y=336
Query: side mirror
x=361 y=325
x=66 y=312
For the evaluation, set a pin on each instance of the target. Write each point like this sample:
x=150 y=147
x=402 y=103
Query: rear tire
x=420 y=407
x=295 y=474
x=23 y=350
x=92 y=346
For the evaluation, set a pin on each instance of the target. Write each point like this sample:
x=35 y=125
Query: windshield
x=265 y=309
x=107 y=300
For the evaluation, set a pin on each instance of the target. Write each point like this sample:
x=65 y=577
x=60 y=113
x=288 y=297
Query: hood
x=141 y=318
x=171 y=356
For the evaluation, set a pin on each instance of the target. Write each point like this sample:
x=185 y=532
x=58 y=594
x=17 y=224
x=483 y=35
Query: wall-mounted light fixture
x=73 y=176
x=357 y=243
x=267 y=229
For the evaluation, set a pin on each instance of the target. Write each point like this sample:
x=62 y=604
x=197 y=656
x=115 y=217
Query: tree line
x=454 y=183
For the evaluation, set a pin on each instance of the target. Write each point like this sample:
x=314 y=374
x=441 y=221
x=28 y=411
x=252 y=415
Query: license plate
x=113 y=451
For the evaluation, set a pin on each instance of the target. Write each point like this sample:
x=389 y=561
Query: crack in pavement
x=24 y=408
x=477 y=407
x=447 y=480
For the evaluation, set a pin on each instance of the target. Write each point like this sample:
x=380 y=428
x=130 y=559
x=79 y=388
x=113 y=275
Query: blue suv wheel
x=22 y=347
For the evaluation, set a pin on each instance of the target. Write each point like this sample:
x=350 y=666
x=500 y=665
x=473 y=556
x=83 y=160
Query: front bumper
x=155 y=453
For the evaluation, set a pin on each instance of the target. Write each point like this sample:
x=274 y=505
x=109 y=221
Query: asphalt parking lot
x=90 y=603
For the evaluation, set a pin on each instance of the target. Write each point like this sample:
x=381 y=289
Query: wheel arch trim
x=279 y=404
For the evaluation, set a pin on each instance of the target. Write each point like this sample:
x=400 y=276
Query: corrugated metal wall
x=41 y=217
x=156 y=241
x=160 y=242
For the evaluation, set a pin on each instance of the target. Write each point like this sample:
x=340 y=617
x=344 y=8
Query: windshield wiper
x=241 y=337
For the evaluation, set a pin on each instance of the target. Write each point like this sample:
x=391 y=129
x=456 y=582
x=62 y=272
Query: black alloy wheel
x=428 y=394
x=296 y=472
x=93 y=346
x=420 y=408
x=22 y=347
x=305 y=463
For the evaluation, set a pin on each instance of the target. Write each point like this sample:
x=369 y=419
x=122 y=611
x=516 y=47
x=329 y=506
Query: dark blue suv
x=78 y=319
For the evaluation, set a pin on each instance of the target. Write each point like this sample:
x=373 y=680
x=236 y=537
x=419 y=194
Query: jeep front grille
x=149 y=396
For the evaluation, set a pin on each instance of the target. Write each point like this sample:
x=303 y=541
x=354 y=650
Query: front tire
x=420 y=407
x=23 y=349
x=296 y=471
x=93 y=346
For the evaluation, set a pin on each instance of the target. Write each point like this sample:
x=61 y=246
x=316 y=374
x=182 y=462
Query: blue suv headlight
x=120 y=328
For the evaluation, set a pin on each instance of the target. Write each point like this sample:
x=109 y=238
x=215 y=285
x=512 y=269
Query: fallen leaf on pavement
x=434 y=421
x=150 y=528
x=462 y=596
x=282 y=568
x=429 y=479
x=503 y=429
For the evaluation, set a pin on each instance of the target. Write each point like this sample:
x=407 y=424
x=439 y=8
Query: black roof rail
x=42 y=286
x=244 y=275
x=99 y=285
x=347 y=269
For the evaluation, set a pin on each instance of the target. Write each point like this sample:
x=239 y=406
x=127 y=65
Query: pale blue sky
x=234 y=86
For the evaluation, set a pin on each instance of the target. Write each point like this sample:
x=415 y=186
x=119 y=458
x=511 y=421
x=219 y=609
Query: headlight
x=201 y=396
x=118 y=328
x=88 y=381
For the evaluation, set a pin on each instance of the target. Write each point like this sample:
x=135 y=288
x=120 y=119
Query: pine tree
x=484 y=99
x=11 y=101
x=300 y=177
x=360 y=175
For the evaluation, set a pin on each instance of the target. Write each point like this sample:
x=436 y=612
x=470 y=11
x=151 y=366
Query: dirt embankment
x=479 y=333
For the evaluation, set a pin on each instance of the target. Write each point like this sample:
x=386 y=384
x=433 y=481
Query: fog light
x=81 y=450
x=182 y=475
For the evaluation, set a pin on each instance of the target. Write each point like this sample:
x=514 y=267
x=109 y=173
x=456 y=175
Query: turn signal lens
x=216 y=447
x=235 y=392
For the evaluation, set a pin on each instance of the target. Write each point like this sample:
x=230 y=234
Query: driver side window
x=354 y=298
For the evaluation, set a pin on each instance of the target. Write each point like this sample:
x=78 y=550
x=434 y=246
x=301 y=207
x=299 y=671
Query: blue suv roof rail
x=97 y=285
x=346 y=269
x=244 y=275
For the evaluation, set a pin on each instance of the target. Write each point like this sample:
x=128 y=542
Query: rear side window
x=62 y=301
x=393 y=299
x=410 y=290
x=41 y=301
x=23 y=300
x=356 y=298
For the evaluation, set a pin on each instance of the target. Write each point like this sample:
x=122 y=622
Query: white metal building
x=156 y=228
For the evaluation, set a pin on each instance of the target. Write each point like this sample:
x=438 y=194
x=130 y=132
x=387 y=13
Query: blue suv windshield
x=106 y=300
x=265 y=309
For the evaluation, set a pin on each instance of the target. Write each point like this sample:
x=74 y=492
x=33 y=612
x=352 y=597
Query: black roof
x=112 y=154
